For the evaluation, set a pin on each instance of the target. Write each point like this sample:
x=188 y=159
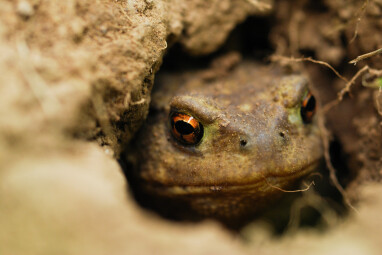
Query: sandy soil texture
x=76 y=78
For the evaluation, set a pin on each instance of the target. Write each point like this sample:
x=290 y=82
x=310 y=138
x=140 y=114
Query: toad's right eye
x=308 y=108
x=185 y=128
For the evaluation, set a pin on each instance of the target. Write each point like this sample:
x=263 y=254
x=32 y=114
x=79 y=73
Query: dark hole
x=242 y=39
x=311 y=104
x=307 y=53
x=184 y=128
x=338 y=159
x=316 y=6
x=243 y=143
x=282 y=134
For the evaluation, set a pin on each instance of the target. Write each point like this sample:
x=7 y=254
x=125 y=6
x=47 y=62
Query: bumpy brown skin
x=222 y=176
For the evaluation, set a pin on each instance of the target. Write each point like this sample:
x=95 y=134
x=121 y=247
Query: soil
x=76 y=80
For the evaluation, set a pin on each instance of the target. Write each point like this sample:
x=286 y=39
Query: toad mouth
x=276 y=182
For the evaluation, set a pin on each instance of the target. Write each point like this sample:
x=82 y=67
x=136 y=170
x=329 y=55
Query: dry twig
x=366 y=55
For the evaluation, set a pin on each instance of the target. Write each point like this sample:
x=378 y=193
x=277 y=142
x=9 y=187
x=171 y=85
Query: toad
x=227 y=146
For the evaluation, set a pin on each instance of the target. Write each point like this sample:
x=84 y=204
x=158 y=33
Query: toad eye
x=308 y=108
x=185 y=128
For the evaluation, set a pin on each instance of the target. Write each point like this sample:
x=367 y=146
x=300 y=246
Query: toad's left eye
x=185 y=128
x=308 y=108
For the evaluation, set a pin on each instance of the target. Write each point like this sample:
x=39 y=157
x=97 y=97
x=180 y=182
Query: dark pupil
x=184 y=128
x=311 y=104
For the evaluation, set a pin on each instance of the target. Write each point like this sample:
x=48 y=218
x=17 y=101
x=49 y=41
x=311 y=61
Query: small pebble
x=25 y=9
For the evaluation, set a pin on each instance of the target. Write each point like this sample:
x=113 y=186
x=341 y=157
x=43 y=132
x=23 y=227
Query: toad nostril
x=284 y=137
x=243 y=142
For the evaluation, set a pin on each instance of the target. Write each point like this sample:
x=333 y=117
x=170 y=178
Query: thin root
x=351 y=82
x=363 y=8
x=309 y=59
x=289 y=191
x=332 y=171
